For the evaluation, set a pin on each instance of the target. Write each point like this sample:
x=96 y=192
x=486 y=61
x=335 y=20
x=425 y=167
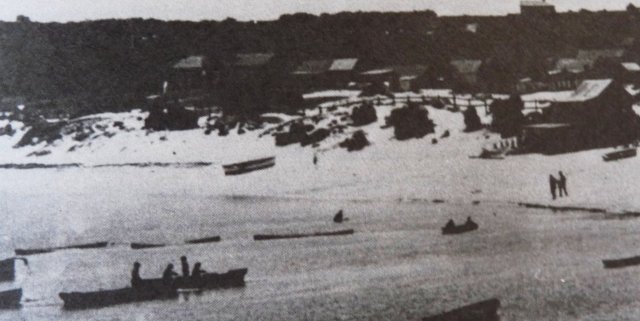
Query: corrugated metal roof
x=572 y=65
x=466 y=66
x=192 y=62
x=313 y=67
x=377 y=72
x=588 y=89
x=343 y=64
x=253 y=59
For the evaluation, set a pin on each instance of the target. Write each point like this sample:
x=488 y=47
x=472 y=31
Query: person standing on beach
x=553 y=183
x=562 y=184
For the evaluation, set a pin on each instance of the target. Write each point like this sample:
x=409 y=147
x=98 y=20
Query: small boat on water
x=620 y=263
x=8 y=268
x=621 y=154
x=211 y=239
x=95 y=245
x=459 y=229
x=138 y=246
x=249 y=166
x=10 y=299
x=481 y=311
x=152 y=289
x=266 y=237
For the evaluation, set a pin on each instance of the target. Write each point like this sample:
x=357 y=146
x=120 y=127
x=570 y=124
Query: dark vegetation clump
x=296 y=133
x=411 y=121
x=315 y=137
x=357 y=141
x=471 y=120
x=170 y=117
x=364 y=114
x=507 y=116
x=42 y=131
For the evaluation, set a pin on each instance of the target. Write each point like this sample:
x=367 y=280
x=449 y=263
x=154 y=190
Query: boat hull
x=627 y=153
x=150 y=290
x=620 y=263
x=481 y=311
x=250 y=166
x=230 y=279
x=267 y=237
x=10 y=299
x=459 y=229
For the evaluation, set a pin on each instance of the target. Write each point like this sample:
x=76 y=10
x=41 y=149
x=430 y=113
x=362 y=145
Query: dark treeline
x=132 y=57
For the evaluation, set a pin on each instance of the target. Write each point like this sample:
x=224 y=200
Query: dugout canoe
x=459 y=229
x=84 y=246
x=230 y=279
x=249 y=166
x=267 y=237
x=620 y=263
x=151 y=289
x=481 y=311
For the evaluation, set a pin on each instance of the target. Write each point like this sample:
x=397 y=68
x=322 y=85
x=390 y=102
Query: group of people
x=559 y=184
x=452 y=224
x=169 y=274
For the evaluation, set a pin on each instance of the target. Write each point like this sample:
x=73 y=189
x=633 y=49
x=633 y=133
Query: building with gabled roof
x=597 y=114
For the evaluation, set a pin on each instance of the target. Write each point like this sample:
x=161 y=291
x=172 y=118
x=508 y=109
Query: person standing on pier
x=553 y=184
x=562 y=184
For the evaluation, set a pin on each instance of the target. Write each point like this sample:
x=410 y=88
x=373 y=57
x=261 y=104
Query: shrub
x=410 y=122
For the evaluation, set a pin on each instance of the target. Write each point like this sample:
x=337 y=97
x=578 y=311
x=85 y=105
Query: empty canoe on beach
x=138 y=246
x=230 y=279
x=205 y=240
x=153 y=289
x=265 y=237
x=249 y=166
x=459 y=229
x=8 y=268
x=625 y=153
x=620 y=263
x=481 y=311
x=10 y=299
x=95 y=245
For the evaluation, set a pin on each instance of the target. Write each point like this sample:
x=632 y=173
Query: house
x=564 y=79
x=591 y=56
x=597 y=114
x=414 y=77
x=311 y=75
x=193 y=74
x=536 y=8
x=466 y=71
x=342 y=72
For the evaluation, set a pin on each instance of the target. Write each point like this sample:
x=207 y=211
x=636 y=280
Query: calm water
x=542 y=265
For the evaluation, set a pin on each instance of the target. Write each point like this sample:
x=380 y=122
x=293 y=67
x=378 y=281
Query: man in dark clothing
x=562 y=184
x=168 y=274
x=450 y=224
x=197 y=272
x=553 y=184
x=136 y=280
x=185 y=266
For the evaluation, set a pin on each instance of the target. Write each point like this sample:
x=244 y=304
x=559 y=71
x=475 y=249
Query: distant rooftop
x=191 y=62
x=253 y=59
x=343 y=64
x=313 y=67
x=466 y=66
x=535 y=3
x=631 y=66
x=588 y=89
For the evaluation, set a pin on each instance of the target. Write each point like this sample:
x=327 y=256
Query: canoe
x=204 y=240
x=249 y=166
x=625 y=153
x=152 y=289
x=138 y=246
x=10 y=299
x=459 y=229
x=230 y=279
x=620 y=263
x=266 y=237
x=481 y=311
x=95 y=245
x=7 y=268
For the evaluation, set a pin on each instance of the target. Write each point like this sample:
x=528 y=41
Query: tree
x=507 y=116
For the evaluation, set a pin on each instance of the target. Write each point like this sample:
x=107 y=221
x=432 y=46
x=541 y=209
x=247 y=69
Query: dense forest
x=131 y=58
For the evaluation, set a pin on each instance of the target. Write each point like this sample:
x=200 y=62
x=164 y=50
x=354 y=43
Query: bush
x=358 y=141
x=471 y=119
x=411 y=122
x=162 y=117
x=315 y=137
x=364 y=115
